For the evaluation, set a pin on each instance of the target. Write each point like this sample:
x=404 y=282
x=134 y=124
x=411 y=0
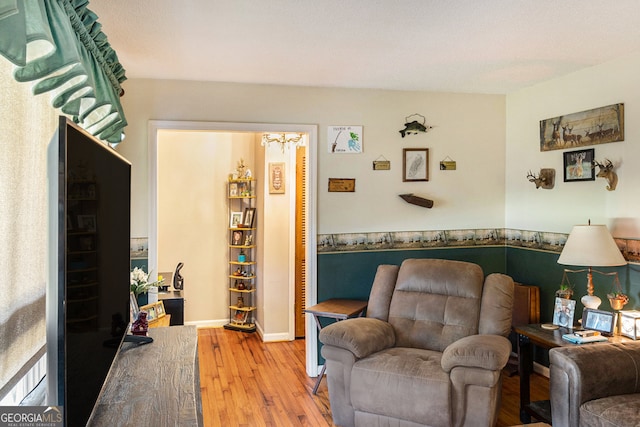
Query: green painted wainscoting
x=350 y=274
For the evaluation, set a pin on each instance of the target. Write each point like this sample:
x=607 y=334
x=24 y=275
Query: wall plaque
x=342 y=185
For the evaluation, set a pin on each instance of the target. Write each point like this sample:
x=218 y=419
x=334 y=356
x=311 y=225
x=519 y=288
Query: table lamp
x=591 y=246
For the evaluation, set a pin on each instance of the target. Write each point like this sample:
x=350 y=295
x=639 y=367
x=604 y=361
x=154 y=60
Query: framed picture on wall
x=578 y=165
x=415 y=164
x=276 y=178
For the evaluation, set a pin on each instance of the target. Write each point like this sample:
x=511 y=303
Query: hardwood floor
x=246 y=382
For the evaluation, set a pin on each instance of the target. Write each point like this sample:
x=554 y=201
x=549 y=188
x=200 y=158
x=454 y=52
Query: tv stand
x=157 y=384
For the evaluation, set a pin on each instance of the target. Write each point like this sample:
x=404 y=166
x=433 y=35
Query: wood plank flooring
x=247 y=383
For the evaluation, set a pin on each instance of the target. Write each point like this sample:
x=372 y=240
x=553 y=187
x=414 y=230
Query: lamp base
x=591 y=301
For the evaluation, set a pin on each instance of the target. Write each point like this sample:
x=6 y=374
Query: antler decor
x=545 y=179
x=606 y=171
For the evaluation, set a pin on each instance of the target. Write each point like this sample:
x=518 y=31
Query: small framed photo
x=236 y=238
x=233 y=189
x=563 y=312
x=598 y=320
x=87 y=222
x=249 y=214
x=578 y=165
x=236 y=219
x=415 y=164
x=240 y=317
x=160 y=309
x=151 y=311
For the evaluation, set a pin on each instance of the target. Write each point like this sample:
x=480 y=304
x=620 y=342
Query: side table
x=338 y=309
x=536 y=335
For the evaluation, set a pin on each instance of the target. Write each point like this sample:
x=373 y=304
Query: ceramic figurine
x=140 y=325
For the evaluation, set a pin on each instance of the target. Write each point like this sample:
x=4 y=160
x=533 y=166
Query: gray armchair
x=595 y=385
x=430 y=351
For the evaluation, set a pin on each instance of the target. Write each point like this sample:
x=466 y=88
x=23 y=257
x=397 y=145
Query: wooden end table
x=338 y=309
x=536 y=335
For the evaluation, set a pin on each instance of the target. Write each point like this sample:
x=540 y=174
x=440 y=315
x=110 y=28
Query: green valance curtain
x=60 y=47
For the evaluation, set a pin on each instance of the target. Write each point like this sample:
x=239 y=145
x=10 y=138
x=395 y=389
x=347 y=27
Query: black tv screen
x=88 y=290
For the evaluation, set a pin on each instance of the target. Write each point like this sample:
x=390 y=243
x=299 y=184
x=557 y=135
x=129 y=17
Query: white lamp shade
x=591 y=246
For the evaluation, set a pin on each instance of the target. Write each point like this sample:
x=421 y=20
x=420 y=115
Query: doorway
x=309 y=233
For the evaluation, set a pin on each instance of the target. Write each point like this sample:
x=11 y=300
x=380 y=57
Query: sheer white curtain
x=27 y=124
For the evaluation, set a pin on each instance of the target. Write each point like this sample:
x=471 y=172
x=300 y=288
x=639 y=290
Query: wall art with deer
x=597 y=126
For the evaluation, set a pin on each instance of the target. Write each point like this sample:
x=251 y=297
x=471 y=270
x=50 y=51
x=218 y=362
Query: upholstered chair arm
x=580 y=373
x=362 y=336
x=490 y=352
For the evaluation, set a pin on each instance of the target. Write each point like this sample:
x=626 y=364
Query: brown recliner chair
x=430 y=351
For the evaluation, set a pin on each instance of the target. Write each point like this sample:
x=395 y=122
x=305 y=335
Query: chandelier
x=284 y=139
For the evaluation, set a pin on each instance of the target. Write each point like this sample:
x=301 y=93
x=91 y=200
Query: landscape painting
x=591 y=127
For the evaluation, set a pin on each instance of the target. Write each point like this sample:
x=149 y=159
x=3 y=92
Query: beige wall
x=193 y=222
x=575 y=202
x=468 y=128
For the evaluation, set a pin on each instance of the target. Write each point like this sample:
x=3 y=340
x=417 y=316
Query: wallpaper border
x=437 y=239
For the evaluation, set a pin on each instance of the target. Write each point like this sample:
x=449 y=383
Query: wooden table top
x=549 y=338
x=338 y=308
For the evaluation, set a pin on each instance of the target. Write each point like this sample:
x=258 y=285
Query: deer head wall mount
x=606 y=171
x=545 y=179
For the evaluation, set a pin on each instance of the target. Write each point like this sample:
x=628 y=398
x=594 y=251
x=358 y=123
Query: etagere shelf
x=242 y=251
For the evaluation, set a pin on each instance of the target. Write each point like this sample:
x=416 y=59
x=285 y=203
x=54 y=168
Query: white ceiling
x=479 y=46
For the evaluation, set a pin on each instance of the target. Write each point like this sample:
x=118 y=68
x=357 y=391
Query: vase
x=143 y=299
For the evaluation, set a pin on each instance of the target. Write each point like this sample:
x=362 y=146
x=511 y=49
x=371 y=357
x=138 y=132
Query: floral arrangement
x=140 y=282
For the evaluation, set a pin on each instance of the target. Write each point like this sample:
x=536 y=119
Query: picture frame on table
x=152 y=314
x=160 y=309
x=563 y=312
x=599 y=320
x=415 y=164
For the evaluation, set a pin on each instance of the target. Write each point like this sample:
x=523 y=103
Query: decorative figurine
x=140 y=325
x=414 y=127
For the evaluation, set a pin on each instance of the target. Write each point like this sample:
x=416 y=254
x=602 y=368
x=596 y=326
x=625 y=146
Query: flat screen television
x=89 y=264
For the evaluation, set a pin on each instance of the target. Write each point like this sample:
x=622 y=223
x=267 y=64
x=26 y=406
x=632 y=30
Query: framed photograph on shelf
x=249 y=214
x=415 y=164
x=233 y=189
x=240 y=317
x=235 y=220
x=578 y=165
x=236 y=238
x=563 y=312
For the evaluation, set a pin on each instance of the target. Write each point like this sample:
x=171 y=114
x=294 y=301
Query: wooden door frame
x=312 y=178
